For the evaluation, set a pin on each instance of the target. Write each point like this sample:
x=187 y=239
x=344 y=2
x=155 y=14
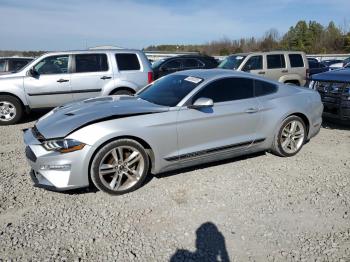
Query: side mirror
x=202 y=102
x=32 y=72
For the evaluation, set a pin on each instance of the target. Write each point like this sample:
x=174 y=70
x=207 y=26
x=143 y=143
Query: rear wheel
x=11 y=110
x=290 y=137
x=120 y=167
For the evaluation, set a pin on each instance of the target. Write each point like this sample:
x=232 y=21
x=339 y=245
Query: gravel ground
x=256 y=208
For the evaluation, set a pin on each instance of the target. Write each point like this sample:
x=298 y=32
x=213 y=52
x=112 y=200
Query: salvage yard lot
x=259 y=207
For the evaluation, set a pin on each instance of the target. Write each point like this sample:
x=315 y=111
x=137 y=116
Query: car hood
x=340 y=75
x=65 y=119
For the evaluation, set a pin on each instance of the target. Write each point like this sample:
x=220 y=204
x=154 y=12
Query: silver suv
x=61 y=77
x=287 y=67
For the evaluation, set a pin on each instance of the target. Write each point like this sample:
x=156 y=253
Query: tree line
x=310 y=37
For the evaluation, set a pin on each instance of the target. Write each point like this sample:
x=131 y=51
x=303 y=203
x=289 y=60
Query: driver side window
x=52 y=65
x=227 y=89
x=254 y=63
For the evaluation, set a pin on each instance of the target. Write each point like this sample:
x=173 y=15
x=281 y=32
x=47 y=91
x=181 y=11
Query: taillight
x=307 y=73
x=150 y=77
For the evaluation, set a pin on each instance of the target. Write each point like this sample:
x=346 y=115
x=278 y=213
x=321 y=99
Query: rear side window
x=127 y=62
x=85 y=63
x=262 y=88
x=275 y=61
x=227 y=89
x=296 y=60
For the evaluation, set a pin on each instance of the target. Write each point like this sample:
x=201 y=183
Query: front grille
x=30 y=154
x=37 y=134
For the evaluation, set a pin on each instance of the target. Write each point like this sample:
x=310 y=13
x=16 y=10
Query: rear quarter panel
x=134 y=79
x=288 y=101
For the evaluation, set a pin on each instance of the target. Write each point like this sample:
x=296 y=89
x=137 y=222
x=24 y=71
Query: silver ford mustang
x=183 y=119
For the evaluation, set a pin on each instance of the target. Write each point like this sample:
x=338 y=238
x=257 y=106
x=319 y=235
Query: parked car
x=316 y=68
x=282 y=66
x=170 y=65
x=13 y=64
x=183 y=119
x=58 y=78
x=334 y=88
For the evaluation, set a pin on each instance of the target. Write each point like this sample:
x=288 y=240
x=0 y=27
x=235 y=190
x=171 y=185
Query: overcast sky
x=73 y=24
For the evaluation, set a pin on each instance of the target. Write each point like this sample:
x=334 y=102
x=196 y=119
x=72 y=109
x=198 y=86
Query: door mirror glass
x=202 y=102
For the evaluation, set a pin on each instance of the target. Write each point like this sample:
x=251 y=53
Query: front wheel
x=291 y=137
x=11 y=110
x=120 y=167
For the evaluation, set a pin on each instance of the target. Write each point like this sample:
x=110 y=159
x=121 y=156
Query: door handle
x=106 y=77
x=252 y=110
x=261 y=73
x=284 y=71
x=62 y=80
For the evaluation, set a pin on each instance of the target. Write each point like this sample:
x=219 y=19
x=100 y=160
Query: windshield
x=169 y=90
x=157 y=63
x=232 y=62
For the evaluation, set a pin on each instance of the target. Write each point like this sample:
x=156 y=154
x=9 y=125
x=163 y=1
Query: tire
x=111 y=173
x=11 y=110
x=122 y=92
x=283 y=142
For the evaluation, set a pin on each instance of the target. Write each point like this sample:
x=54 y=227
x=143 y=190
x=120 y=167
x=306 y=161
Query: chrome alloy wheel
x=7 y=111
x=121 y=168
x=292 y=136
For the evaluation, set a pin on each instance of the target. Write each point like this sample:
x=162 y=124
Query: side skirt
x=215 y=151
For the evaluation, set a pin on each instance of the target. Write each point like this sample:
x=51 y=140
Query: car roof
x=94 y=51
x=338 y=75
x=269 y=52
x=17 y=58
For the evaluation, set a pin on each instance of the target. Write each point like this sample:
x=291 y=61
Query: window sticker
x=193 y=79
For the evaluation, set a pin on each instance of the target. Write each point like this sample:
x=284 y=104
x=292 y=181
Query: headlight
x=63 y=145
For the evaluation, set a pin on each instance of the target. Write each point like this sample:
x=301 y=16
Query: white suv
x=61 y=77
x=283 y=66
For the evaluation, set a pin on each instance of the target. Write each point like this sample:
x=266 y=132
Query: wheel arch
x=146 y=145
x=304 y=118
x=15 y=96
